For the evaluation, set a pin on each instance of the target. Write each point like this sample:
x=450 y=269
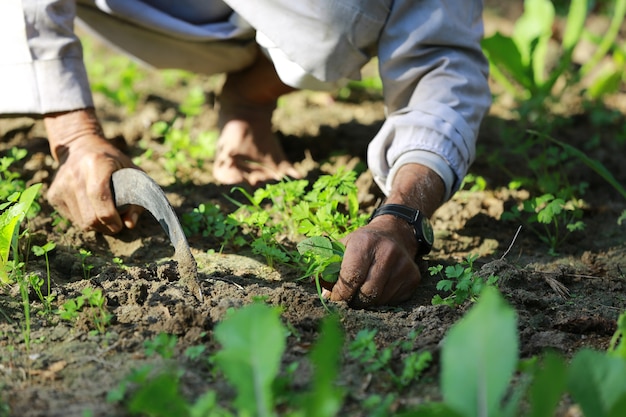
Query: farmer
x=434 y=83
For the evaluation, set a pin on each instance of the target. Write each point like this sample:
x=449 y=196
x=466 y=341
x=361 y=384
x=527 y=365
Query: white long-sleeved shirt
x=432 y=67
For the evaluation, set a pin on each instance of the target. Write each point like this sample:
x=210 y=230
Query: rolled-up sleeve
x=41 y=62
x=435 y=86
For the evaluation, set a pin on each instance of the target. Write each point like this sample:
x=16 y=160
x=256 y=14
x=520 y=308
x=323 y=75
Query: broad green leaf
x=608 y=40
x=12 y=217
x=479 y=357
x=504 y=53
x=159 y=397
x=597 y=382
x=575 y=24
x=548 y=386
x=531 y=35
x=253 y=341
x=320 y=246
x=325 y=398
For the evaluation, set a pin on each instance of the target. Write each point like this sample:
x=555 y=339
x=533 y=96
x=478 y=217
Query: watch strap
x=415 y=218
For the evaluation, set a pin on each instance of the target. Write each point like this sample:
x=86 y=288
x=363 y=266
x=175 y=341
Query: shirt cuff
x=428 y=159
x=44 y=86
x=431 y=134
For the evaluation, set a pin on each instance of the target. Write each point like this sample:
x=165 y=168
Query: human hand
x=81 y=190
x=378 y=265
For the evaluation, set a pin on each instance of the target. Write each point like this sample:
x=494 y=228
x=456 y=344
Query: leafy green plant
x=97 y=311
x=115 y=77
x=11 y=182
x=482 y=386
x=461 y=281
x=322 y=257
x=364 y=349
x=252 y=342
x=551 y=219
x=289 y=209
x=43 y=251
x=87 y=267
x=208 y=220
x=519 y=62
x=14 y=211
x=163 y=345
x=184 y=146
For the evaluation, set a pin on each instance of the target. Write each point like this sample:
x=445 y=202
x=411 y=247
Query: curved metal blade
x=134 y=187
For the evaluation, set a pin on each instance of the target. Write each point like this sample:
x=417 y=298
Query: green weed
x=322 y=257
x=207 y=220
x=49 y=297
x=253 y=341
x=87 y=267
x=364 y=350
x=164 y=345
x=461 y=281
x=11 y=182
x=519 y=63
x=483 y=386
x=184 y=146
x=549 y=218
x=91 y=302
x=18 y=207
x=115 y=78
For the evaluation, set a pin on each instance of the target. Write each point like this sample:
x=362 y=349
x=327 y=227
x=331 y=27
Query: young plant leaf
x=325 y=398
x=479 y=357
x=597 y=382
x=253 y=341
x=548 y=386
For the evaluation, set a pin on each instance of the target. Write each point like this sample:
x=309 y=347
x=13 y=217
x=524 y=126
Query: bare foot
x=247 y=150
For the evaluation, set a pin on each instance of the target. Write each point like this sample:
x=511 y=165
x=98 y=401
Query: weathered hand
x=379 y=262
x=378 y=265
x=81 y=190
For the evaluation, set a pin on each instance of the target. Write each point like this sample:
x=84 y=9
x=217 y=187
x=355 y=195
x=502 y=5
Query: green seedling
x=519 y=62
x=364 y=350
x=10 y=182
x=617 y=346
x=322 y=257
x=182 y=143
x=551 y=219
x=253 y=341
x=208 y=220
x=13 y=213
x=461 y=281
x=476 y=388
x=522 y=63
x=164 y=345
x=95 y=300
x=195 y=352
x=595 y=165
x=43 y=251
x=473 y=183
x=286 y=211
x=87 y=267
x=115 y=78
x=120 y=263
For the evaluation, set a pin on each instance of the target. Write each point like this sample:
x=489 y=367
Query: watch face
x=427 y=230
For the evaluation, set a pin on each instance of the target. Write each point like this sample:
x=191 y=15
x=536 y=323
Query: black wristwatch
x=423 y=229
